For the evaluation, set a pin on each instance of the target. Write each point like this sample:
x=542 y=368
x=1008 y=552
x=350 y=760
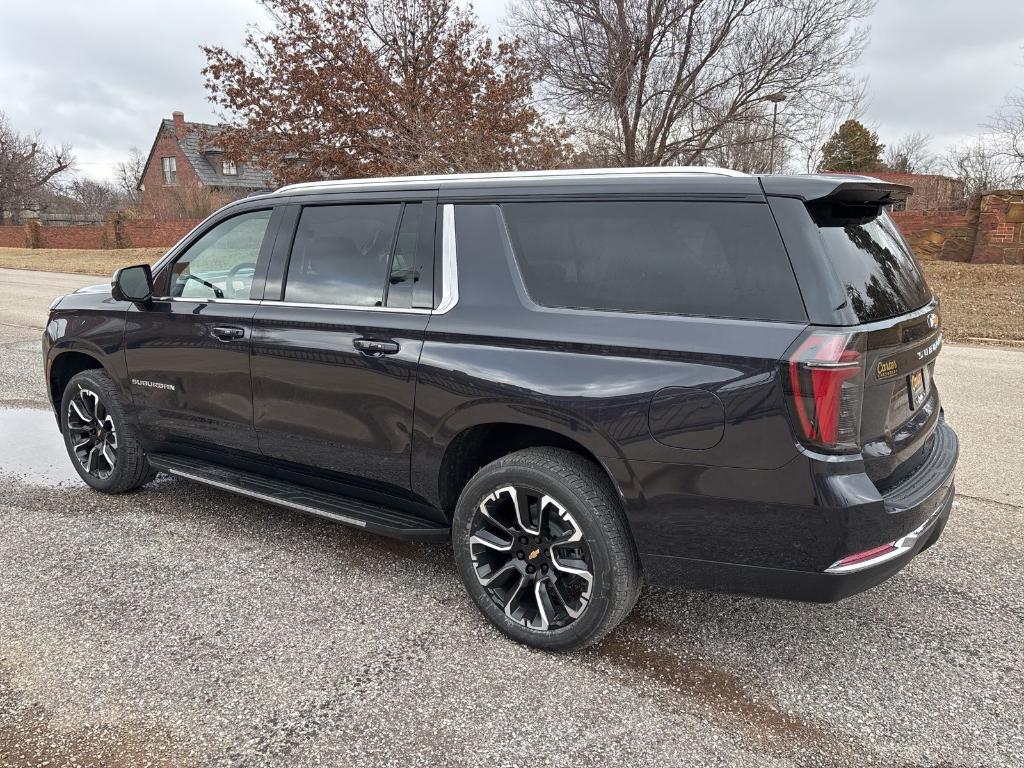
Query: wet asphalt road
x=180 y=625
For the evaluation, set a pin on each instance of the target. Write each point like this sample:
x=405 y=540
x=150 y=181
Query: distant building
x=932 y=191
x=186 y=155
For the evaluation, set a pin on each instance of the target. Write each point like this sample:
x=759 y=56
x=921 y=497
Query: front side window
x=221 y=263
x=170 y=166
x=685 y=258
x=342 y=253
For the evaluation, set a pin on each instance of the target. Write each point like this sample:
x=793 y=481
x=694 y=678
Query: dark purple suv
x=583 y=380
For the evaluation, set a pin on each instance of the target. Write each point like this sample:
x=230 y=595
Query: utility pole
x=774 y=98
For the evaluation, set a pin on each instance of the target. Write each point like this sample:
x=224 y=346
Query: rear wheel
x=103 y=445
x=544 y=550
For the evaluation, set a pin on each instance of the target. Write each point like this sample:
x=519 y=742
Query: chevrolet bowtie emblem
x=534 y=554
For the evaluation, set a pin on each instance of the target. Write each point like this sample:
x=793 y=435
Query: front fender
x=86 y=324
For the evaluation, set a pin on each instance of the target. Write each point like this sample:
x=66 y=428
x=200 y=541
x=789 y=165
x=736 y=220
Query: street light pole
x=774 y=98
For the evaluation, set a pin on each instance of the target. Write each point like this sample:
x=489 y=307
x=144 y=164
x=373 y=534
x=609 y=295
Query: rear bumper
x=923 y=502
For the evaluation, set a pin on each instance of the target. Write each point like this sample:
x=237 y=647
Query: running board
x=341 y=509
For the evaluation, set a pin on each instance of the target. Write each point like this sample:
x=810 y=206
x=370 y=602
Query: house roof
x=200 y=149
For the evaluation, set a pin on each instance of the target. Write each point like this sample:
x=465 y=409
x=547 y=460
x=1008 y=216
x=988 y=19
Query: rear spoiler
x=850 y=190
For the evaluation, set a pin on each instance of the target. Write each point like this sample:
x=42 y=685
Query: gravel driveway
x=180 y=625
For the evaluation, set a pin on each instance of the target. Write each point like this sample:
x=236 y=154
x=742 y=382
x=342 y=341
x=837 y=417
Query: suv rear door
x=339 y=335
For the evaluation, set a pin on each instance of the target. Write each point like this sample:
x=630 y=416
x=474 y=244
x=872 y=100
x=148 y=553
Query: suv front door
x=188 y=350
x=335 y=352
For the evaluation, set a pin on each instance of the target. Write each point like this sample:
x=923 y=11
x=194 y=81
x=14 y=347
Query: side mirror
x=133 y=284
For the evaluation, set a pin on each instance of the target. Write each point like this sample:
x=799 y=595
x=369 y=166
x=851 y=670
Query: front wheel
x=102 y=444
x=544 y=550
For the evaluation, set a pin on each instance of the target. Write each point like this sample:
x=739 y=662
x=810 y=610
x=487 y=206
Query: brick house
x=185 y=158
x=932 y=191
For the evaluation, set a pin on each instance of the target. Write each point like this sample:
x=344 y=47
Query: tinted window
x=222 y=262
x=341 y=254
x=405 y=271
x=874 y=264
x=715 y=259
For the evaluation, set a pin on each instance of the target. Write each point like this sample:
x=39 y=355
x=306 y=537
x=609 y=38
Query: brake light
x=824 y=381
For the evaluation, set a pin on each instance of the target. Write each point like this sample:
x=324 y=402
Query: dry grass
x=82 y=262
x=979 y=301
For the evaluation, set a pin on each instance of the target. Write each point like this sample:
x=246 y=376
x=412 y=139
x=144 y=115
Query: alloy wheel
x=92 y=434
x=530 y=556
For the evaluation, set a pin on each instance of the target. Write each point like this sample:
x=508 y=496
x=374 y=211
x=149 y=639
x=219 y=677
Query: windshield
x=878 y=271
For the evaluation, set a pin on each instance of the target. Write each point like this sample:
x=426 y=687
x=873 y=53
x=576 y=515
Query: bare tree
x=911 y=154
x=656 y=82
x=981 y=166
x=747 y=146
x=28 y=169
x=128 y=174
x=95 y=198
x=1007 y=128
x=811 y=121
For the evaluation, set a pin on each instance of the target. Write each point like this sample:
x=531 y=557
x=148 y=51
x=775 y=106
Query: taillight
x=824 y=379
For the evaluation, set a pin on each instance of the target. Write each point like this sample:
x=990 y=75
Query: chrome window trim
x=297 y=304
x=201 y=300
x=449 y=262
x=349 y=307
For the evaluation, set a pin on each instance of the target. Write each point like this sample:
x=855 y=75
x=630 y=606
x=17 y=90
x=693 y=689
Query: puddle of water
x=32 y=449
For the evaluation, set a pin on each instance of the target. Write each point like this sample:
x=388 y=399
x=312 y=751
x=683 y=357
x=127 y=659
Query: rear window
x=878 y=271
x=713 y=259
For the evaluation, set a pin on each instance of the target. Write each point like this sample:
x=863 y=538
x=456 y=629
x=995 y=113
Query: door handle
x=228 y=332
x=375 y=348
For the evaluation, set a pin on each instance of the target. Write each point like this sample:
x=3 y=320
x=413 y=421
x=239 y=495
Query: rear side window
x=404 y=270
x=714 y=259
x=341 y=254
x=878 y=271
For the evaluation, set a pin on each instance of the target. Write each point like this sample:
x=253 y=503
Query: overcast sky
x=101 y=74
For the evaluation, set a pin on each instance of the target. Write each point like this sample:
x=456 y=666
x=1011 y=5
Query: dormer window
x=229 y=168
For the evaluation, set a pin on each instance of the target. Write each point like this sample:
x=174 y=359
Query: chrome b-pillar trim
x=449 y=262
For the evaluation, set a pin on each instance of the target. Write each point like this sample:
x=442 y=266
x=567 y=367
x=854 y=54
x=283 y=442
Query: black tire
x=580 y=496
x=115 y=432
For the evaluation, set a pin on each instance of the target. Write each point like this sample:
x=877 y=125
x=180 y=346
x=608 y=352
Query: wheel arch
x=63 y=367
x=477 y=445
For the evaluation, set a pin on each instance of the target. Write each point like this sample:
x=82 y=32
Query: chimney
x=179 y=124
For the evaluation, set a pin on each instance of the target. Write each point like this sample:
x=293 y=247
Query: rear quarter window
x=682 y=258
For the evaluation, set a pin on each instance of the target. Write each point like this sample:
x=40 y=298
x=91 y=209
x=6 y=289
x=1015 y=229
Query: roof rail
x=594 y=173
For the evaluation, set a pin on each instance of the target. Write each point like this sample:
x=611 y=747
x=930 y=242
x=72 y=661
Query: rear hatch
x=864 y=381
x=901 y=334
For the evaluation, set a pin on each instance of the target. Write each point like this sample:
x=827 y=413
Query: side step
x=333 y=506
